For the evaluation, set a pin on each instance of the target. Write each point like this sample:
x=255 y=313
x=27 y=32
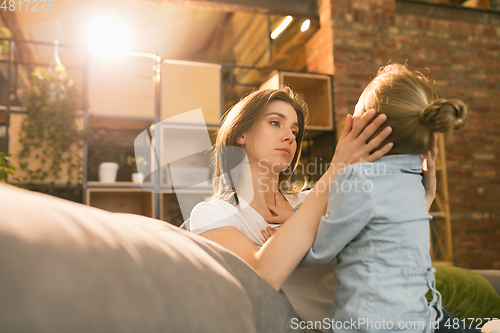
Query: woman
x=257 y=149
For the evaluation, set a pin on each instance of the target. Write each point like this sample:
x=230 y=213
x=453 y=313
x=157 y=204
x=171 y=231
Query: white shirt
x=310 y=289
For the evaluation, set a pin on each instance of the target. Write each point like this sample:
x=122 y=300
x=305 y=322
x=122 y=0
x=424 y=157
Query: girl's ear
x=241 y=140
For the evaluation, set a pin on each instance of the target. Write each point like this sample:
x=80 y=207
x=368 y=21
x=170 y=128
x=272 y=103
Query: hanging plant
x=50 y=139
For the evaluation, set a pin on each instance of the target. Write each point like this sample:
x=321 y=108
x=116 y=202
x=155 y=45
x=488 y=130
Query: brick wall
x=463 y=57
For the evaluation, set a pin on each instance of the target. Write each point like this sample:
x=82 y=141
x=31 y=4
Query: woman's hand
x=429 y=169
x=352 y=147
x=282 y=210
x=267 y=233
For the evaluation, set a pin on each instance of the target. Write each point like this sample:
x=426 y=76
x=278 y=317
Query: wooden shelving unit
x=123 y=87
x=185 y=86
x=188 y=86
x=140 y=94
x=122 y=200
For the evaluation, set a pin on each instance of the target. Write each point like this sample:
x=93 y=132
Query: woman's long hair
x=242 y=117
x=413 y=109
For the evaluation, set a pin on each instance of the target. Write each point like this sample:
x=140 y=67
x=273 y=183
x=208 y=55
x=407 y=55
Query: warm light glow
x=281 y=27
x=108 y=37
x=305 y=25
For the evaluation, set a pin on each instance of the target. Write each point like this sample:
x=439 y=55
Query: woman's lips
x=285 y=150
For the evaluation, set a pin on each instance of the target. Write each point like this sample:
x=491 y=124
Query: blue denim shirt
x=377 y=225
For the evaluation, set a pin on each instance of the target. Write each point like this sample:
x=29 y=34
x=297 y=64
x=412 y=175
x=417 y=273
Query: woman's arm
x=237 y=242
x=279 y=256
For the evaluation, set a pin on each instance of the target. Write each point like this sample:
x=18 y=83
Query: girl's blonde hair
x=413 y=109
x=242 y=117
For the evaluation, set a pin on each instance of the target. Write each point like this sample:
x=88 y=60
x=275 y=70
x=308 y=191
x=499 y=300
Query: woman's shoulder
x=213 y=209
x=214 y=204
x=212 y=214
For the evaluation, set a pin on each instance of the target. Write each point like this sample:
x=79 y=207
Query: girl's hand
x=352 y=147
x=267 y=233
x=430 y=170
x=282 y=210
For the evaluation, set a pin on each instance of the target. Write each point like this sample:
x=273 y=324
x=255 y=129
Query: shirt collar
x=403 y=160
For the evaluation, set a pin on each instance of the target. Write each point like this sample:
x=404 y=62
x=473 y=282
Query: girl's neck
x=263 y=185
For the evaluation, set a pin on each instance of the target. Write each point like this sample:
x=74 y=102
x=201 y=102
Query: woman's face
x=271 y=143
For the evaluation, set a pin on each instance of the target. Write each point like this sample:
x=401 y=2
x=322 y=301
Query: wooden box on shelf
x=123 y=87
x=314 y=89
x=122 y=200
x=119 y=141
x=188 y=86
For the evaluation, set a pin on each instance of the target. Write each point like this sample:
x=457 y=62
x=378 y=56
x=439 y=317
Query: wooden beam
x=24 y=50
x=305 y=8
x=447 y=12
x=290 y=43
x=220 y=41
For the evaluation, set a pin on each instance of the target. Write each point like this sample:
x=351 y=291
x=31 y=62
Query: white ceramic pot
x=107 y=172
x=137 y=178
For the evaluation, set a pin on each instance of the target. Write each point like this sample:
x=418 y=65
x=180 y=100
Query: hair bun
x=444 y=115
x=428 y=114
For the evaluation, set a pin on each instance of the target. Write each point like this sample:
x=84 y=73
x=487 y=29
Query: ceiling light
x=108 y=37
x=281 y=27
x=305 y=25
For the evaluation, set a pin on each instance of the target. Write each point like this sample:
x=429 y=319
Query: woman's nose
x=289 y=136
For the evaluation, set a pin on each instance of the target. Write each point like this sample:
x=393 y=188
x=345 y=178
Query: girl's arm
x=430 y=171
x=279 y=256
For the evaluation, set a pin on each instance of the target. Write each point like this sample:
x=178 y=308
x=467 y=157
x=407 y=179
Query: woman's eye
x=278 y=124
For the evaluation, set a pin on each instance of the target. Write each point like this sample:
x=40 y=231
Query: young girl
x=377 y=220
x=257 y=149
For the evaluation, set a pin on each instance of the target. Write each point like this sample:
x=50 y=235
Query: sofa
x=67 y=267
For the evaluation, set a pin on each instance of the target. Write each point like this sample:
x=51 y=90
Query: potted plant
x=137 y=165
x=108 y=172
